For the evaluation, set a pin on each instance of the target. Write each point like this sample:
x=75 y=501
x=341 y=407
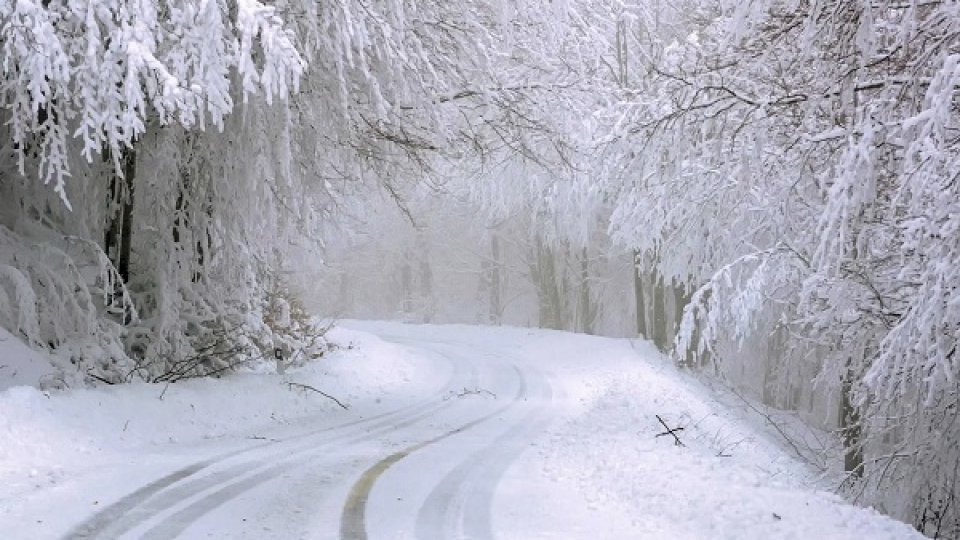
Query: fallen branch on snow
x=670 y=431
x=468 y=392
x=262 y=438
x=304 y=387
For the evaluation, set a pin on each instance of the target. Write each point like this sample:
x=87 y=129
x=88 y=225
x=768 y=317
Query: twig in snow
x=723 y=451
x=261 y=438
x=468 y=392
x=775 y=425
x=99 y=378
x=670 y=431
x=301 y=386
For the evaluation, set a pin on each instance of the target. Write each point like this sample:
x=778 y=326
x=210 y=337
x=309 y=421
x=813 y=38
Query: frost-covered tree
x=98 y=72
x=202 y=145
x=791 y=161
x=85 y=84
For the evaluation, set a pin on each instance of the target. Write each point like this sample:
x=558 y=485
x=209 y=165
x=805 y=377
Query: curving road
x=427 y=469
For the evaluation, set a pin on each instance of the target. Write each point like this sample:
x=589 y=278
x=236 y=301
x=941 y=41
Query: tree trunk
x=586 y=307
x=406 y=286
x=659 y=314
x=639 y=295
x=188 y=212
x=680 y=301
x=770 y=383
x=346 y=297
x=426 y=277
x=118 y=236
x=126 y=228
x=544 y=274
x=850 y=428
x=426 y=289
x=496 y=280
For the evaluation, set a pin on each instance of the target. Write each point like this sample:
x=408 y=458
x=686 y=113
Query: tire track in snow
x=177 y=523
x=174 y=488
x=353 y=518
x=459 y=506
x=166 y=492
x=97 y=524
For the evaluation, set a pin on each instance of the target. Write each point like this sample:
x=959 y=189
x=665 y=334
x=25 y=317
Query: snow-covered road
x=427 y=468
x=441 y=483
x=452 y=432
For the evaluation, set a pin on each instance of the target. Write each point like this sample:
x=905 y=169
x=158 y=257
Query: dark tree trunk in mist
x=640 y=295
x=496 y=280
x=850 y=429
x=549 y=294
x=345 y=292
x=192 y=209
x=660 y=314
x=586 y=306
x=119 y=231
x=426 y=277
x=406 y=286
x=126 y=229
x=118 y=236
x=680 y=301
x=773 y=386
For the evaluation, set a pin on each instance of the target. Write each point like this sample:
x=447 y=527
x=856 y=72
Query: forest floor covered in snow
x=451 y=432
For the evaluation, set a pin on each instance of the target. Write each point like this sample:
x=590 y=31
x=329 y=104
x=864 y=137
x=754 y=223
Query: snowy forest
x=767 y=189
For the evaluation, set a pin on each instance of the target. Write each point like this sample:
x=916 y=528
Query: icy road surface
x=452 y=432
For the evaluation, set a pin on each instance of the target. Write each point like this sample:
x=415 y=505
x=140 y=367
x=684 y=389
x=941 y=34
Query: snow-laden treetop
x=98 y=69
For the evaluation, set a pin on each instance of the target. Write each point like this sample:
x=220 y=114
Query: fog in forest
x=767 y=191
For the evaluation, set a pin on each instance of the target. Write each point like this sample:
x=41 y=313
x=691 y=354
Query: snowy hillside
x=20 y=365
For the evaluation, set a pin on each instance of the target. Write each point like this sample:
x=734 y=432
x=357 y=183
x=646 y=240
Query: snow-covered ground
x=451 y=432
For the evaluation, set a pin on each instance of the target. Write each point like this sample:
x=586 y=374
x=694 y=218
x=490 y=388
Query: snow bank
x=45 y=434
x=20 y=365
x=731 y=479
